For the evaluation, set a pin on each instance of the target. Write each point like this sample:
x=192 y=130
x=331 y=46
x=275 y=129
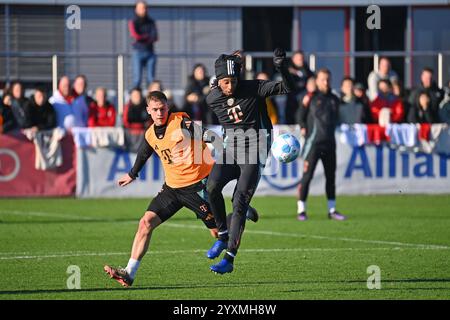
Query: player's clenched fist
x=124 y=180
x=279 y=56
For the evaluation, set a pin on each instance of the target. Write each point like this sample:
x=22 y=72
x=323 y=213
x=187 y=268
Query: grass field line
x=169 y=252
x=48 y=214
x=262 y=232
x=295 y=235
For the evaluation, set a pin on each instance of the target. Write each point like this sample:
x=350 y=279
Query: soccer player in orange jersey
x=173 y=139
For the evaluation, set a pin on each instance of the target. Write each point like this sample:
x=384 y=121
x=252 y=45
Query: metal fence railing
x=54 y=60
x=313 y=58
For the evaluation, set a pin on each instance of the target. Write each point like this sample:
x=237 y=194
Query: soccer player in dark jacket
x=186 y=162
x=241 y=110
x=318 y=120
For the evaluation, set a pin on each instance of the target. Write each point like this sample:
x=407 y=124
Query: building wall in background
x=187 y=36
x=431 y=31
x=194 y=34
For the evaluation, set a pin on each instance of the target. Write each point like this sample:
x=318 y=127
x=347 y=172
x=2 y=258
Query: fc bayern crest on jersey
x=230 y=102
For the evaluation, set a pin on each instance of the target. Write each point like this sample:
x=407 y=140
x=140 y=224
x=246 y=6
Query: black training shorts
x=194 y=197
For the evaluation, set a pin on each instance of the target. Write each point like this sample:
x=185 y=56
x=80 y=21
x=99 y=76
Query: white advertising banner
x=365 y=169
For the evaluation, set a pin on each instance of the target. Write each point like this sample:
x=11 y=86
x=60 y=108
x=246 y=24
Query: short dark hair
x=16 y=82
x=141 y=1
x=298 y=52
x=81 y=76
x=40 y=89
x=62 y=77
x=428 y=69
x=156 y=96
x=135 y=89
x=424 y=92
x=199 y=65
x=387 y=81
x=323 y=70
x=347 y=78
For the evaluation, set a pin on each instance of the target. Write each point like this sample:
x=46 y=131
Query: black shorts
x=194 y=197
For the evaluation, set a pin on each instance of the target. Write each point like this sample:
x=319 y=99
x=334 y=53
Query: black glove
x=279 y=56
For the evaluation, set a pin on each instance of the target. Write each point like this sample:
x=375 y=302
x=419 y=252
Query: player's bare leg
x=147 y=224
x=125 y=276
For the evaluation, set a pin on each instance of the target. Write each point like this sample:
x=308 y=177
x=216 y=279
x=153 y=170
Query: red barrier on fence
x=18 y=176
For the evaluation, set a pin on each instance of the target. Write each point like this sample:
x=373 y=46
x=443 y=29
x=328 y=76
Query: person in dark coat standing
x=144 y=32
x=40 y=114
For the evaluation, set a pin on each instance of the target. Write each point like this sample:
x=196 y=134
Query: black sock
x=229 y=257
x=223 y=237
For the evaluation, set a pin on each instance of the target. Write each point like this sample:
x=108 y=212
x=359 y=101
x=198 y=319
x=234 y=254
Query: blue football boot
x=224 y=266
x=216 y=249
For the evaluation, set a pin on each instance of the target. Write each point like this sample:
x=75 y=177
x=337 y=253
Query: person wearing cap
x=241 y=110
x=360 y=93
x=351 y=109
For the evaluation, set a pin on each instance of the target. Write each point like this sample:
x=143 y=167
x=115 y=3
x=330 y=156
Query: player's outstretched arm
x=144 y=152
x=281 y=64
x=124 y=180
x=270 y=88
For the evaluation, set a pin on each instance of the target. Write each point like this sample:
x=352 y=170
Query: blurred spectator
x=306 y=97
x=384 y=73
x=143 y=30
x=397 y=90
x=18 y=103
x=311 y=88
x=422 y=112
x=170 y=101
x=351 y=109
x=272 y=111
x=8 y=120
x=428 y=85
x=61 y=101
x=360 y=94
x=156 y=85
x=101 y=112
x=195 y=94
x=135 y=114
x=81 y=101
x=386 y=108
x=40 y=113
x=300 y=72
x=444 y=108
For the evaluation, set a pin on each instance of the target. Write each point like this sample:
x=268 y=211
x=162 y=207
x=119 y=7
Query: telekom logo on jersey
x=235 y=113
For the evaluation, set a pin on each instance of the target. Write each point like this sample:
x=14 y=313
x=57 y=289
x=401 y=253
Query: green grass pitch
x=406 y=236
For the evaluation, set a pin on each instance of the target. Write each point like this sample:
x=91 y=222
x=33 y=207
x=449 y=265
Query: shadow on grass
x=403 y=280
x=144 y=288
x=383 y=283
x=69 y=221
x=88 y=220
x=239 y=285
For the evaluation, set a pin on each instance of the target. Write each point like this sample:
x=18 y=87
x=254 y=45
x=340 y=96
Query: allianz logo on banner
x=367 y=162
x=283 y=176
x=385 y=162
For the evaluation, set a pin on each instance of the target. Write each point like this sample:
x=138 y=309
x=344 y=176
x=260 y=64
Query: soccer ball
x=285 y=148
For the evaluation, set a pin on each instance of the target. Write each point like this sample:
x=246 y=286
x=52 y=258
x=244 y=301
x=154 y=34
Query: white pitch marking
x=100 y=254
x=270 y=233
x=47 y=214
x=294 y=235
